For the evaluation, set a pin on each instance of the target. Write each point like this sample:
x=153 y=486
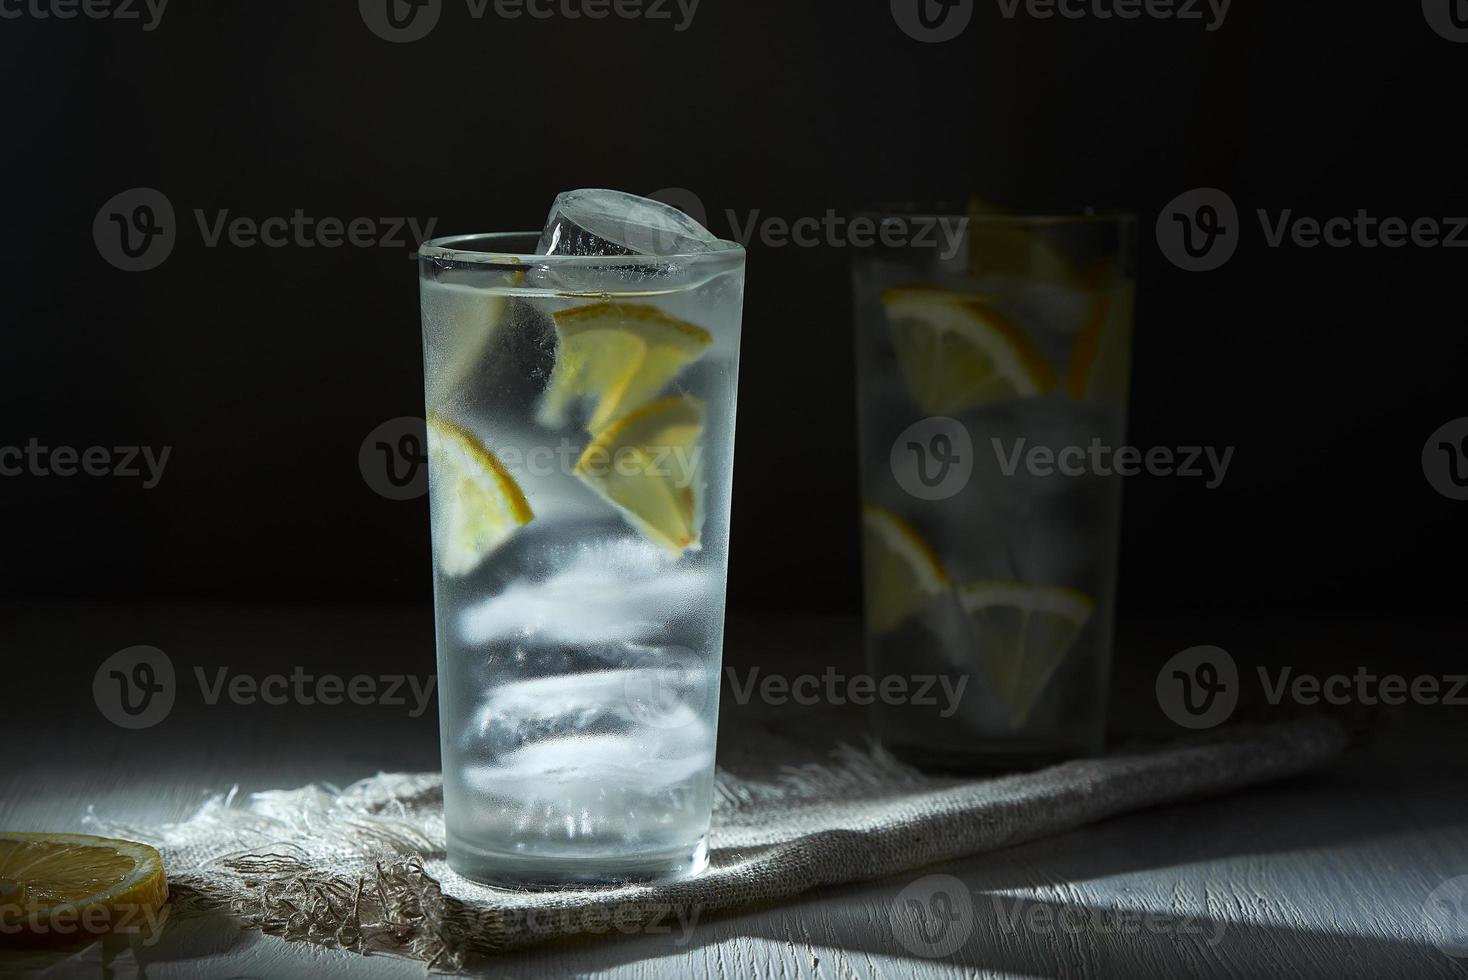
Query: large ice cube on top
x=603 y=222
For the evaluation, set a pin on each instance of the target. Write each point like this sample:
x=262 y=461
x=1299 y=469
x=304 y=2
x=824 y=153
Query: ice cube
x=564 y=705
x=578 y=773
x=612 y=591
x=603 y=222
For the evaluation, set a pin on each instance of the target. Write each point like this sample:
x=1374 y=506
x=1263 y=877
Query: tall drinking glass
x=581 y=452
x=993 y=366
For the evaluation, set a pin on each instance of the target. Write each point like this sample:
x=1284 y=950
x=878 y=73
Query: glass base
x=518 y=870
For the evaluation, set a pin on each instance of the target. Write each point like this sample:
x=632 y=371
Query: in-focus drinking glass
x=581 y=450
x=993 y=367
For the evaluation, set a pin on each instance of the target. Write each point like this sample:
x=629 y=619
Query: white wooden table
x=1324 y=876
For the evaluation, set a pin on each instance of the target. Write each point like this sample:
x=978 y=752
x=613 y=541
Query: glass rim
x=1085 y=217
x=447 y=248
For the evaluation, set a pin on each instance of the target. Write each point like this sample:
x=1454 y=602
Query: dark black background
x=265 y=368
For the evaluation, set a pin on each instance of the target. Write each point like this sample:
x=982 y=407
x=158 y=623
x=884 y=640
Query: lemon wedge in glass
x=647 y=464
x=956 y=351
x=476 y=502
x=1001 y=246
x=900 y=571
x=615 y=358
x=1023 y=633
x=1100 y=361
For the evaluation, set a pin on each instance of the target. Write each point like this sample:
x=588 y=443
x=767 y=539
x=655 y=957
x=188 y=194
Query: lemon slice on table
x=999 y=248
x=957 y=352
x=1024 y=632
x=1100 y=362
x=899 y=570
x=647 y=464
x=477 y=504
x=72 y=887
x=616 y=357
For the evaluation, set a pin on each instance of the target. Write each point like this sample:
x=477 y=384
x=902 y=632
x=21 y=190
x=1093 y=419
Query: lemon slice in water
x=1024 y=632
x=1100 y=361
x=1000 y=246
x=957 y=352
x=900 y=571
x=477 y=504
x=616 y=357
x=648 y=464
